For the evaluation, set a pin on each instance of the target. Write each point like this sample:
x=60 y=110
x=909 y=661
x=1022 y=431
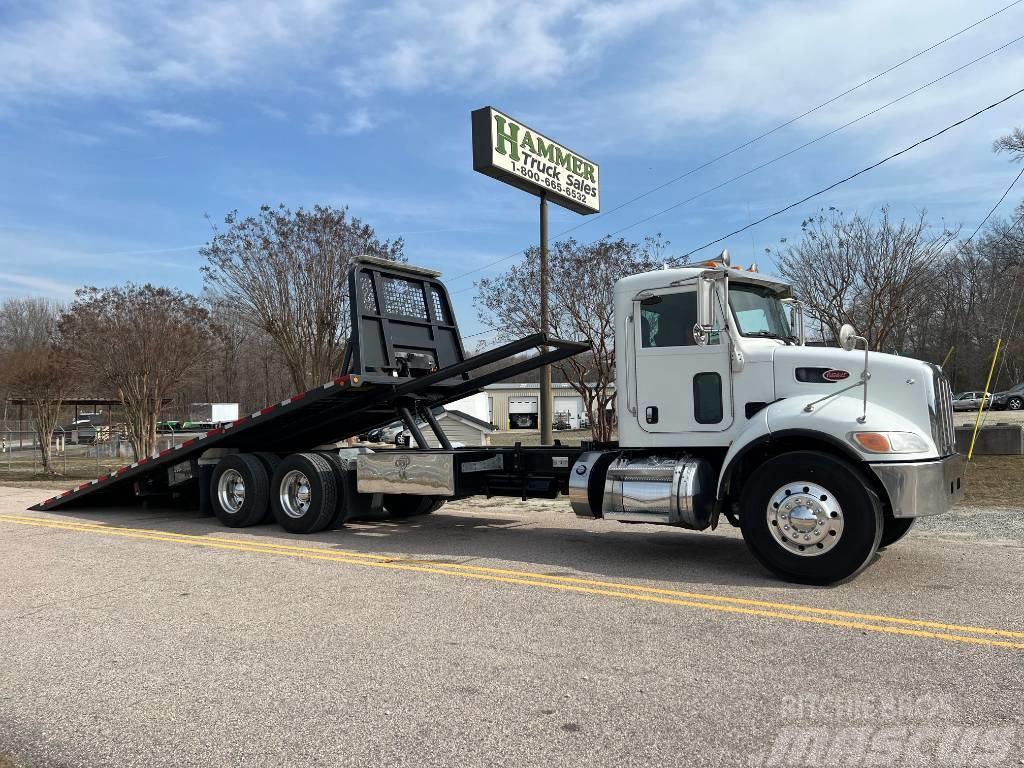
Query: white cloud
x=769 y=63
x=176 y=121
x=120 y=49
x=14 y=284
x=439 y=45
x=354 y=122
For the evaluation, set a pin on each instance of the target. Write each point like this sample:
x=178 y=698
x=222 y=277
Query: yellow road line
x=189 y=538
x=783 y=611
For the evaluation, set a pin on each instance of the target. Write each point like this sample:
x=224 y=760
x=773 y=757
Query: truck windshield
x=759 y=312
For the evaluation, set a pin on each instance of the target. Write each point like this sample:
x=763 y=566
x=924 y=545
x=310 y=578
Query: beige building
x=516 y=406
x=461 y=428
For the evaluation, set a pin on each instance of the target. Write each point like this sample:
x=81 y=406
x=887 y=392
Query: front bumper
x=922 y=487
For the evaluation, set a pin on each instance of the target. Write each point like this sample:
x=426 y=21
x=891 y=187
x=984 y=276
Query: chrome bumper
x=922 y=487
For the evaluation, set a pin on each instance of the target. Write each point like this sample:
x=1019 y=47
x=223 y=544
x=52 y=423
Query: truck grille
x=940 y=410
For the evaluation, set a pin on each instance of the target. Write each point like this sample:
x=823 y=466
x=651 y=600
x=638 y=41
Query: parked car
x=86 y=428
x=1011 y=399
x=971 y=401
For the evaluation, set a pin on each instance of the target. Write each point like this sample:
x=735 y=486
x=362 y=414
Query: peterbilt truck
x=819 y=455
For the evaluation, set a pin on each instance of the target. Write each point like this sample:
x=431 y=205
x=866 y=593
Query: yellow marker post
x=984 y=397
x=948 y=355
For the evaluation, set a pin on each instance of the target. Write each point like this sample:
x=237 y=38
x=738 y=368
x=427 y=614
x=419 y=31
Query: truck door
x=681 y=386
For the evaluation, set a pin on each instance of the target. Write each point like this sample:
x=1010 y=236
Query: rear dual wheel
x=240 y=490
x=307 y=493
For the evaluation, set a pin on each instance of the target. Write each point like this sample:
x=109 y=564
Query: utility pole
x=545 y=371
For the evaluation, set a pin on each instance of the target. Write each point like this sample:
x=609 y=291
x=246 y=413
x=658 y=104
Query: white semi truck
x=819 y=455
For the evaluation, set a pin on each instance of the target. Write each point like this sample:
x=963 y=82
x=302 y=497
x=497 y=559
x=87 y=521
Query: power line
x=749 y=142
x=815 y=140
x=1009 y=297
x=852 y=176
x=998 y=203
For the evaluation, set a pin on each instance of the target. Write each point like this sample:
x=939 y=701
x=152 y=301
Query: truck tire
x=240 y=490
x=401 y=505
x=894 y=529
x=270 y=461
x=305 y=493
x=342 y=507
x=810 y=517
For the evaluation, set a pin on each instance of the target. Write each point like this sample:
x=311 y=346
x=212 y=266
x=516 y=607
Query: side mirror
x=706 y=303
x=848 y=337
x=797 y=316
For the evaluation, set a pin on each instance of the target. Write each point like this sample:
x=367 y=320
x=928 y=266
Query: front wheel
x=1015 y=404
x=810 y=517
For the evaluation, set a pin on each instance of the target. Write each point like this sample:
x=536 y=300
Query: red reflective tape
x=165 y=451
x=84 y=485
x=101 y=479
x=268 y=409
x=64 y=494
x=299 y=396
x=215 y=432
x=188 y=442
x=142 y=461
x=236 y=422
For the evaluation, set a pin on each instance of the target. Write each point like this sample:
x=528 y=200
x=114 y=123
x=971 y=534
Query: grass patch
x=995 y=481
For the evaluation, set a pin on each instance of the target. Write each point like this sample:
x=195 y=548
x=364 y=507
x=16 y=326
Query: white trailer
x=213 y=413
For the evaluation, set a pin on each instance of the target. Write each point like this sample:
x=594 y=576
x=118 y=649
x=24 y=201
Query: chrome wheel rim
x=295 y=494
x=1014 y=404
x=231 y=491
x=805 y=519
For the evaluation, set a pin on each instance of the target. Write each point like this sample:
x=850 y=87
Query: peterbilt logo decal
x=835 y=374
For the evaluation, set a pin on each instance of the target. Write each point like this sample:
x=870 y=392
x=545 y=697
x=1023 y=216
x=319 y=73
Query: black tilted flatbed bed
x=404 y=360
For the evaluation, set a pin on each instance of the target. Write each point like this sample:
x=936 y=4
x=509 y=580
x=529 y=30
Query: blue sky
x=123 y=124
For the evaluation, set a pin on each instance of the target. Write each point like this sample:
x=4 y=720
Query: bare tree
x=1013 y=143
x=283 y=273
x=581 y=306
x=26 y=324
x=37 y=376
x=142 y=342
x=875 y=275
x=30 y=365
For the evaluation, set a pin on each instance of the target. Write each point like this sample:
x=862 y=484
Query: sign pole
x=545 y=326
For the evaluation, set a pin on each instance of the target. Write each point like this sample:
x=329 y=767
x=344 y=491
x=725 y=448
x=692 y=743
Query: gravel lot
x=496 y=632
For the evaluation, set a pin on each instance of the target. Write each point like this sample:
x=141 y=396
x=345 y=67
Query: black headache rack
x=404 y=359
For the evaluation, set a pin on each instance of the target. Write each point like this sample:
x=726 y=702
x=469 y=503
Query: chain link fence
x=73 y=453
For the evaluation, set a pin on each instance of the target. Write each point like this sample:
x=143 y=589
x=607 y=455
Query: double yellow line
x=894 y=625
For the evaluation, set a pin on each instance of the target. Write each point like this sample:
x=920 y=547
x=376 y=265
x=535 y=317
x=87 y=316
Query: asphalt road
x=494 y=633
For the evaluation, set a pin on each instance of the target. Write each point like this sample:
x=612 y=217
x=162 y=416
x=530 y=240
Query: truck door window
x=667 y=320
x=707 y=398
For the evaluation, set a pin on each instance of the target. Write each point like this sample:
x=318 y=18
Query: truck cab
x=820 y=454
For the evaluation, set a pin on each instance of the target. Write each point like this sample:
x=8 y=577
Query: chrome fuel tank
x=668 y=490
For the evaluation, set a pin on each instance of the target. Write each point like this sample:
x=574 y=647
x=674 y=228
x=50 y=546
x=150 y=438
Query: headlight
x=890 y=442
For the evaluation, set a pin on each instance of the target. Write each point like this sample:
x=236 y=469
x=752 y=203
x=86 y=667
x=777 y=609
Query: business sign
x=507 y=150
